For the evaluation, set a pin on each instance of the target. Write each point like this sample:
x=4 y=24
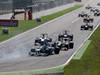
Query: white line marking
x=75 y=20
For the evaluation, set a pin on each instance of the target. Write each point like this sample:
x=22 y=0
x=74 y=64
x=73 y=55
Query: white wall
x=6 y=16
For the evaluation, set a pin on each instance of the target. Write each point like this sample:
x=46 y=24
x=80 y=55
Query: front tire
x=56 y=51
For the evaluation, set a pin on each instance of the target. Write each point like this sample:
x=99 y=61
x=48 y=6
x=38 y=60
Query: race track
x=14 y=52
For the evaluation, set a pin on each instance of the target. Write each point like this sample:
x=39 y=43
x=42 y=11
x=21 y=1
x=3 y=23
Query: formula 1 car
x=87 y=27
x=97 y=13
x=83 y=14
x=64 y=44
x=88 y=7
x=88 y=20
x=98 y=4
x=94 y=10
x=43 y=39
x=65 y=41
x=43 y=50
x=66 y=36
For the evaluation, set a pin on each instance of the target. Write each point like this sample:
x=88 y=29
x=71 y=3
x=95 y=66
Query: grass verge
x=26 y=25
x=81 y=51
x=89 y=64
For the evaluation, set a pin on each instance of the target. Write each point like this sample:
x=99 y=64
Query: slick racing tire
x=50 y=40
x=71 y=45
x=71 y=37
x=81 y=28
x=56 y=51
x=31 y=53
x=91 y=28
x=79 y=15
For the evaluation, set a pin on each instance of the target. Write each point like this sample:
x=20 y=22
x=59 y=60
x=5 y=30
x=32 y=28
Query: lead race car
x=66 y=36
x=44 y=47
x=65 y=41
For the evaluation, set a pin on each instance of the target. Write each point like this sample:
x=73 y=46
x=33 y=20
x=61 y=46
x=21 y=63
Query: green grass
x=89 y=64
x=81 y=51
x=26 y=25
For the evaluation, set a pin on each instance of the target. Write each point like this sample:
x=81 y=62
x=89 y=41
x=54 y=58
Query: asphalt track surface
x=14 y=52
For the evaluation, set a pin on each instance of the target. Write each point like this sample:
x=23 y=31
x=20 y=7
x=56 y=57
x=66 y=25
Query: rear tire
x=71 y=45
x=56 y=51
x=91 y=28
x=81 y=28
x=31 y=52
x=50 y=40
x=71 y=37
